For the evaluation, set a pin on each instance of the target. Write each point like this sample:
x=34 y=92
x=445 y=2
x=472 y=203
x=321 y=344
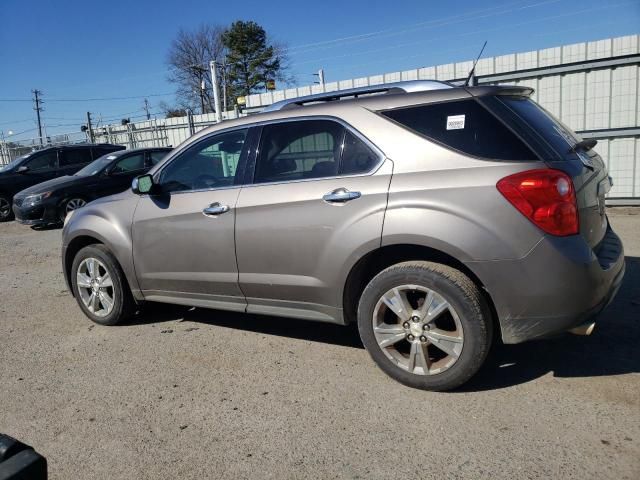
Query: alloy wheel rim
x=95 y=287
x=74 y=204
x=418 y=329
x=5 y=208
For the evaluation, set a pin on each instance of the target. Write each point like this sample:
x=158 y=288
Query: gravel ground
x=206 y=394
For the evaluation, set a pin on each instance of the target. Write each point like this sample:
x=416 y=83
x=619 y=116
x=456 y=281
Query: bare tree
x=188 y=58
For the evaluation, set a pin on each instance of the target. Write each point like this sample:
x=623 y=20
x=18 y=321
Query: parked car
x=49 y=202
x=43 y=165
x=431 y=215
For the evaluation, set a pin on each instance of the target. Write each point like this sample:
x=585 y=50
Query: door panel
x=177 y=249
x=183 y=235
x=293 y=246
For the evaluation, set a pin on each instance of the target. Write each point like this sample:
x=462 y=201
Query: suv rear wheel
x=100 y=286
x=425 y=324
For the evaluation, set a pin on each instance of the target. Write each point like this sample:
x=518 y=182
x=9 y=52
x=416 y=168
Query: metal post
x=38 y=108
x=224 y=84
x=321 y=78
x=192 y=129
x=89 y=128
x=146 y=108
x=216 y=96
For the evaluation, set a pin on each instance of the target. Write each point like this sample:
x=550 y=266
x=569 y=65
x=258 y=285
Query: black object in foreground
x=19 y=461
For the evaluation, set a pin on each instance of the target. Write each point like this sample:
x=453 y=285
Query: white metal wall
x=603 y=100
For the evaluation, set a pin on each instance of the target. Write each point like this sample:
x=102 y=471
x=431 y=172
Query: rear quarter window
x=464 y=126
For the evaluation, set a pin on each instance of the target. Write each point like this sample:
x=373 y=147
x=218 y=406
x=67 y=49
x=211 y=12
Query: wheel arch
x=369 y=265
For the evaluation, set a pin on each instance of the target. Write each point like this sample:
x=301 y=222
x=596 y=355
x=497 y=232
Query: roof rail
x=396 y=87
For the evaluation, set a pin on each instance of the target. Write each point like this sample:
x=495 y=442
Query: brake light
x=546 y=197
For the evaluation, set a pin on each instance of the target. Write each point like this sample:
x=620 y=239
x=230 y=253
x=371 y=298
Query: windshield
x=13 y=164
x=97 y=166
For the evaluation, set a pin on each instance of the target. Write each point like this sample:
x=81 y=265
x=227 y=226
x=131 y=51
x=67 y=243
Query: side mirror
x=23 y=169
x=142 y=184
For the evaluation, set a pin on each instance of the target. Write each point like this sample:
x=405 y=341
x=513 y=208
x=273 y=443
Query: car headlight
x=33 y=199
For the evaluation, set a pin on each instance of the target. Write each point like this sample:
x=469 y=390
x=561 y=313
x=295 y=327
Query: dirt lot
x=205 y=394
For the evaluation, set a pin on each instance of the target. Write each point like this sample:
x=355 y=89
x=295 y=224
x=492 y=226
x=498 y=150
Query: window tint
x=558 y=135
x=210 y=163
x=157 y=156
x=100 y=151
x=129 y=164
x=357 y=157
x=75 y=156
x=43 y=161
x=297 y=150
x=466 y=126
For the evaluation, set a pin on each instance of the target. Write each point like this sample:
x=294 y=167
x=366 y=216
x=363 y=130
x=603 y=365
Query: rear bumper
x=40 y=214
x=560 y=284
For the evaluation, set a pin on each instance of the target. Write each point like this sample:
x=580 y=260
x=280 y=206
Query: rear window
x=465 y=126
x=553 y=131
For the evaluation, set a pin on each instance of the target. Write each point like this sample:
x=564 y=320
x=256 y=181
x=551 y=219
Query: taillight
x=546 y=197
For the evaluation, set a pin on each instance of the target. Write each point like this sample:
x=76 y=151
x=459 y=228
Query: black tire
x=123 y=302
x=460 y=292
x=5 y=215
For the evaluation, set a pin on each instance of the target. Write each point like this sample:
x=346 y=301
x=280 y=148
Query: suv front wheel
x=425 y=324
x=100 y=286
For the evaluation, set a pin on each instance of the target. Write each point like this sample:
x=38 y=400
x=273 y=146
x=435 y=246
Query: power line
x=465 y=34
x=101 y=99
x=474 y=15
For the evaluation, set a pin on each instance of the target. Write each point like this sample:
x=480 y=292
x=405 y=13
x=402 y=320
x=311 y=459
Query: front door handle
x=341 y=195
x=215 y=209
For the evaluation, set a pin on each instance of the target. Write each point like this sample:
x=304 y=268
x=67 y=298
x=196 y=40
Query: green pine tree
x=251 y=59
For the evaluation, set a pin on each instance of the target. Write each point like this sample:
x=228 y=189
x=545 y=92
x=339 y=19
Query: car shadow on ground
x=610 y=350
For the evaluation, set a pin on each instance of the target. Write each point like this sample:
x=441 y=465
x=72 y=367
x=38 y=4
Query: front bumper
x=40 y=214
x=560 y=284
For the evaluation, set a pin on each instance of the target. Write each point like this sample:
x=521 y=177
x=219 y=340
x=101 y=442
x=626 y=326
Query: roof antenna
x=473 y=69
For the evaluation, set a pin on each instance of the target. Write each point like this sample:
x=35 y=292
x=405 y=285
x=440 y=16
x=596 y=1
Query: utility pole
x=216 y=96
x=224 y=84
x=38 y=108
x=89 y=127
x=146 y=108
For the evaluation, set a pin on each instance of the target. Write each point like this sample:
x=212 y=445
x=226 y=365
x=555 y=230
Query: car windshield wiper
x=585 y=145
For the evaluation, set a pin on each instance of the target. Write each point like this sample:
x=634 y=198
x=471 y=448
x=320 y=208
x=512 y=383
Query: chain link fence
x=159 y=132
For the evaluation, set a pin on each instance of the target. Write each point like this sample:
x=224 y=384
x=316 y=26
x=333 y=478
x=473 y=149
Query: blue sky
x=76 y=50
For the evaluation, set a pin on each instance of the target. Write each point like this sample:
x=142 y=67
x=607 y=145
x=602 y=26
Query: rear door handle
x=215 y=209
x=341 y=195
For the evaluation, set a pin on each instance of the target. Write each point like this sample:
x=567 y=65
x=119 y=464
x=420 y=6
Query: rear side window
x=75 y=156
x=100 y=151
x=298 y=150
x=465 y=126
x=156 y=156
x=129 y=164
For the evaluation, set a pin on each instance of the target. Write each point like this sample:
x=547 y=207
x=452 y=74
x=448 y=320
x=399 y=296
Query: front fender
x=109 y=222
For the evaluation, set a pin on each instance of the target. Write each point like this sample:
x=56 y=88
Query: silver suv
x=432 y=215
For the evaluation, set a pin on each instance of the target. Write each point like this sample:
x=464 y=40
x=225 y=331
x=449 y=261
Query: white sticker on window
x=455 y=122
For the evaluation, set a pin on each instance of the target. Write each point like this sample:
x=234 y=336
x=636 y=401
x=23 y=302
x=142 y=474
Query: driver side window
x=44 y=161
x=210 y=163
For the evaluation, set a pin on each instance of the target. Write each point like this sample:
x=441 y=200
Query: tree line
x=247 y=61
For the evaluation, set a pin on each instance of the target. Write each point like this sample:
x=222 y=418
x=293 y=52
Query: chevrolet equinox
x=435 y=216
